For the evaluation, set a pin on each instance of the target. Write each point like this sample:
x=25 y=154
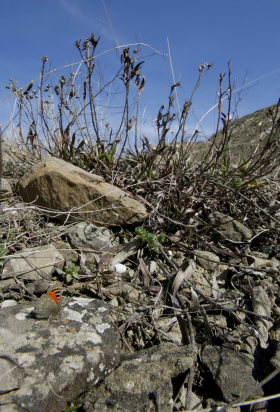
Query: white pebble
x=7 y=303
x=118 y=267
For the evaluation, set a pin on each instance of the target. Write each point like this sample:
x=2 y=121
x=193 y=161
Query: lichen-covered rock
x=49 y=362
x=143 y=382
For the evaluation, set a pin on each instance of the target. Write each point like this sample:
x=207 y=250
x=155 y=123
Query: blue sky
x=243 y=31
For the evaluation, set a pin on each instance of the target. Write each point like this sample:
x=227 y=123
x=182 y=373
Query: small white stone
x=118 y=267
x=7 y=303
x=21 y=316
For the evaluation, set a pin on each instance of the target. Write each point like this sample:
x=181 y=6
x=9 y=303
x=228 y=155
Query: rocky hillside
x=243 y=141
x=252 y=130
x=149 y=284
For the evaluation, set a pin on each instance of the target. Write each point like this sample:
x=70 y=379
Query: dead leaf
x=215 y=287
x=183 y=276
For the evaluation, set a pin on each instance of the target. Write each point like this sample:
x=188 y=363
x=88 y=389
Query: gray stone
x=232 y=372
x=38 y=286
x=5 y=189
x=275 y=360
x=207 y=260
x=170 y=329
x=230 y=228
x=6 y=283
x=87 y=236
x=33 y=263
x=262 y=305
x=257 y=262
x=68 y=254
x=58 y=358
x=143 y=381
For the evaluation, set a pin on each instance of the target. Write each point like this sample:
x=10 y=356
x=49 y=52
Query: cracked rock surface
x=48 y=362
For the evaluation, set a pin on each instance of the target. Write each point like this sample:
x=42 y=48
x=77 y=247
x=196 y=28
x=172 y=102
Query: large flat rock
x=69 y=192
x=46 y=363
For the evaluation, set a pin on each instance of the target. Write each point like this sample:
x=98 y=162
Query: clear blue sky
x=243 y=31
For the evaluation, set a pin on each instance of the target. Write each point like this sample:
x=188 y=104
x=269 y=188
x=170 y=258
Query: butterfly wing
x=47 y=305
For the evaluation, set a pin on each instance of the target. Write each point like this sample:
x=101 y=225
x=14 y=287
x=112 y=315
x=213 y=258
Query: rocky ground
x=170 y=289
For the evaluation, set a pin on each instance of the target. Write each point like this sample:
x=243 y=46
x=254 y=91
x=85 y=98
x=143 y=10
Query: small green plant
x=12 y=235
x=153 y=242
x=72 y=273
x=3 y=252
x=73 y=407
x=107 y=153
x=239 y=182
x=226 y=166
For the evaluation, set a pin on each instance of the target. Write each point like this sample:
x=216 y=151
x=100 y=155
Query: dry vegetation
x=180 y=183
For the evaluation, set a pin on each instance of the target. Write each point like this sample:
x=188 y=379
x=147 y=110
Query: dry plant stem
x=211 y=159
x=22 y=286
x=42 y=111
x=245 y=403
x=185 y=327
x=165 y=271
x=208 y=326
x=89 y=47
x=173 y=76
x=136 y=144
x=124 y=116
x=187 y=106
x=189 y=338
x=264 y=160
x=11 y=359
x=225 y=146
x=260 y=400
x=1 y=167
x=169 y=260
x=77 y=114
x=165 y=335
x=192 y=369
x=248 y=269
x=71 y=111
x=245 y=85
x=15 y=362
x=226 y=308
x=253 y=202
x=190 y=380
x=123 y=46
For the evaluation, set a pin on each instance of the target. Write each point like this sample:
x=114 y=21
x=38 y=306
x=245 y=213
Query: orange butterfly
x=48 y=305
